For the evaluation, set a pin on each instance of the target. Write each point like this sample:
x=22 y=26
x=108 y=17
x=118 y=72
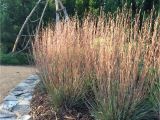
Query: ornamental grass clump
x=61 y=59
x=127 y=69
x=57 y=75
x=113 y=60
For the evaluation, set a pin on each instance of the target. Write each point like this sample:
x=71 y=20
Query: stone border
x=16 y=105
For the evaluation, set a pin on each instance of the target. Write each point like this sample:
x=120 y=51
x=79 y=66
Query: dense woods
x=13 y=14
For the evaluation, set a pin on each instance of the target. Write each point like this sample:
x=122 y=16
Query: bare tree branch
x=39 y=25
x=34 y=20
x=25 y=22
x=57 y=8
x=57 y=2
x=64 y=10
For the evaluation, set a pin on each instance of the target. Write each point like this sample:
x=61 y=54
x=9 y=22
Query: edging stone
x=16 y=106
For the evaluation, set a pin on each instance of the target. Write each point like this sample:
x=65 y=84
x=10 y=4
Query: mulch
x=41 y=109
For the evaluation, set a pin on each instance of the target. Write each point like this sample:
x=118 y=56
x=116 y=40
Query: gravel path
x=10 y=76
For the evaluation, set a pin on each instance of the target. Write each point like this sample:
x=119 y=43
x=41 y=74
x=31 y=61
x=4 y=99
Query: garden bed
x=41 y=109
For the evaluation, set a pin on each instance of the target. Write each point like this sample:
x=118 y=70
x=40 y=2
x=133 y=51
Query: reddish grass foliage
x=119 y=59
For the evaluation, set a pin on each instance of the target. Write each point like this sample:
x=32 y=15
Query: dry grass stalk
x=114 y=52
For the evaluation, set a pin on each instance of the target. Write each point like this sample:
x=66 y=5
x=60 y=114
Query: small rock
x=28 y=90
x=33 y=77
x=23 y=84
x=24 y=102
x=21 y=109
x=19 y=88
x=79 y=116
x=26 y=96
x=25 y=117
x=6 y=115
x=29 y=81
x=8 y=105
x=12 y=118
x=10 y=97
x=17 y=93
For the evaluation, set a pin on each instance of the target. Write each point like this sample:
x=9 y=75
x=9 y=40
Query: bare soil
x=10 y=76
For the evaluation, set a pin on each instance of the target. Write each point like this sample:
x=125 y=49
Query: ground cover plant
x=108 y=64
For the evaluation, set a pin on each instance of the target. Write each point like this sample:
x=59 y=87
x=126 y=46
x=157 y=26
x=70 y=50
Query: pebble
x=25 y=117
x=21 y=109
x=10 y=97
x=6 y=114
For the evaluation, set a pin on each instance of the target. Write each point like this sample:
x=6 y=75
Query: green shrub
x=15 y=59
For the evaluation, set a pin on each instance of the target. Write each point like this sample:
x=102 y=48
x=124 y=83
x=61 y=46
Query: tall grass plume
x=119 y=60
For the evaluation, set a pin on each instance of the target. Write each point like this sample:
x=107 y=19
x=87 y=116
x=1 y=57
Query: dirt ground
x=10 y=76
